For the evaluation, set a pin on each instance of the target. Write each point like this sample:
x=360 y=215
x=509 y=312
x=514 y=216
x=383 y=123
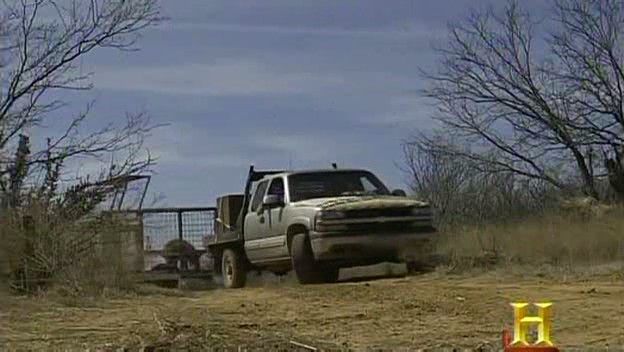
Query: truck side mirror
x=399 y=193
x=272 y=201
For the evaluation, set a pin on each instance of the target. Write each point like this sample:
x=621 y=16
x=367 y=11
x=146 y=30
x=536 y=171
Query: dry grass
x=93 y=256
x=10 y=244
x=564 y=240
x=432 y=311
x=391 y=313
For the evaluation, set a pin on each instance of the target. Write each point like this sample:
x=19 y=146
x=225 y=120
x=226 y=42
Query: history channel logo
x=523 y=322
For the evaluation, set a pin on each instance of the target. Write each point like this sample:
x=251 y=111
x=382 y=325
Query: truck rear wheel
x=233 y=269
x=306 y=268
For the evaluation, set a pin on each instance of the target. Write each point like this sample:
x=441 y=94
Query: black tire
x=233 y=269
x=418 y=267
x=330 y=274
x=305 y=266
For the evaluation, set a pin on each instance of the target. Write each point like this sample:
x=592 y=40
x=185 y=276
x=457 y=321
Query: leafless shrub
x=466 y=192
x=80 y=257
x=487 y=219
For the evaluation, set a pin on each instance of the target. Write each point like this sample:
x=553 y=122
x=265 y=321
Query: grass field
x=432 y=310
x=576 y=264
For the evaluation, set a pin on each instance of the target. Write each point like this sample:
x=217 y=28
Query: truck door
x=275 y=237
x=255 y=224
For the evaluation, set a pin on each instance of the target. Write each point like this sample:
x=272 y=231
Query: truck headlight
x=331 y=215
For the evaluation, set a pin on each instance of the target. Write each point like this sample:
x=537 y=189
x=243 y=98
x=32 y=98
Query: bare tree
x=41 y=45
x=437 y=177
x=590 y=48
x=545 y=103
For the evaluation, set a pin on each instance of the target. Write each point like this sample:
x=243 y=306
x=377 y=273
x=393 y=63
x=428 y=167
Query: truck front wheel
x=306 y=268
x=330 y=274
x=233 y=269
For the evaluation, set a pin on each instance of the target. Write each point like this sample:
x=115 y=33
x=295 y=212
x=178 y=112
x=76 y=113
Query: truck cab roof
x=310 y=171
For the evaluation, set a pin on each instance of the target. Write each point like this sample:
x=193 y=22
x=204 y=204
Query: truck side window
x=367 y=185
x=258 y=195
x=277 y=187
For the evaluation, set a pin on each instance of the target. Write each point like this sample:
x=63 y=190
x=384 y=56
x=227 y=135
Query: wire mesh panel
x=196 y=225
x=190 y=224
x=158 y=229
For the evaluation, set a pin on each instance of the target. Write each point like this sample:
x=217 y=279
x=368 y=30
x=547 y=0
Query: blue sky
x=274 y=83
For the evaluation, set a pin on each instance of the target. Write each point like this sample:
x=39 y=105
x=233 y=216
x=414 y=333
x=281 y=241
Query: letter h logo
x=522 y=322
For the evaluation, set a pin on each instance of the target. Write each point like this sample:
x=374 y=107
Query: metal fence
x=161 y=225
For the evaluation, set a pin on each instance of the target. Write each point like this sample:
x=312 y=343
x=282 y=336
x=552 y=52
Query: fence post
x=180 y=235
x=139 y=243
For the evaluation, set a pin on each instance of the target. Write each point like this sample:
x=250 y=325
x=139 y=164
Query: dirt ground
x=430 y=311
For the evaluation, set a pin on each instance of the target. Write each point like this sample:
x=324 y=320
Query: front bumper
x=364 y=248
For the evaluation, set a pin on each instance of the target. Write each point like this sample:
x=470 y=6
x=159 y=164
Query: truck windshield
x=333 y=184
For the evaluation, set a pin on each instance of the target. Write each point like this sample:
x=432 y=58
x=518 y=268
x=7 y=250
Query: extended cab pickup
x=316 y=222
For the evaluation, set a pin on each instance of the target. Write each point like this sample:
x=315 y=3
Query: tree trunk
x=589 y=187
x=615 y=171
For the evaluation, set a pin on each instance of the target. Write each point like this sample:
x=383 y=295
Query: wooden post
x=180 y=234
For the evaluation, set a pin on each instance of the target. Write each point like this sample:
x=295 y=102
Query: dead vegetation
x=562 y=257
x=83 y=259
x=583 y=236
x=434 y=311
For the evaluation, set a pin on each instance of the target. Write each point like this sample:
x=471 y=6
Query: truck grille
x=376 y=227
x=391 y=227
x=372 y=213
x=384 y=220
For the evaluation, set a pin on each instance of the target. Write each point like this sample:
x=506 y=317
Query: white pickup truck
x=316 y=222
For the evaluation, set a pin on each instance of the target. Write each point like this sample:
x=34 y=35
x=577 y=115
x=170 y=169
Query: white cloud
x=411 y=29
x=182 y=145
x=405 y=110
x=213 y=158
x=231 y=78
x=306 y=148
x=179 y=145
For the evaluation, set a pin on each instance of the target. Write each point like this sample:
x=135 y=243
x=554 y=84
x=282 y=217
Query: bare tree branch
x=536 y=108
x=41 y=42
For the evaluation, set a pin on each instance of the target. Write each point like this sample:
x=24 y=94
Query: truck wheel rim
x=229 y=270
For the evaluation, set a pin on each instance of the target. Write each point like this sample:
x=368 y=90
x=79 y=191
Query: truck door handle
x=262 y=219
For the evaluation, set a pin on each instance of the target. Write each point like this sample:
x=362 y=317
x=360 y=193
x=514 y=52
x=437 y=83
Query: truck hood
x=359 y=202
